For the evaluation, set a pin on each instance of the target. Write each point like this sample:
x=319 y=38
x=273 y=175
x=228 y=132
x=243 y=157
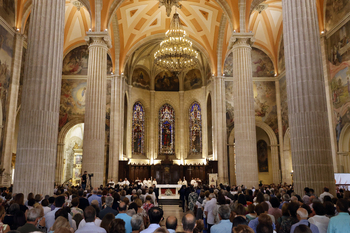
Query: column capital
x=242 y=40
x=99 y=39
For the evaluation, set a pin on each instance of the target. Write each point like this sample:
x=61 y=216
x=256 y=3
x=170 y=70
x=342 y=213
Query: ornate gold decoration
x=175 y=53
x=77 y=4
x=261 y=7
x=169 y=5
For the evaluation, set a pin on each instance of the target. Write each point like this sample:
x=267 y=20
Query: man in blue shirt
x=341 y=222
x=94 y=196
x=122 y=215
x=225 y=225
x=302 y=215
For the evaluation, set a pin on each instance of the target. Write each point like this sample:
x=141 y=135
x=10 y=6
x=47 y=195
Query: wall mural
x=265 y=103
x=166 y=130
x=7 y=11
x=281 y=59
x=140 y=78
x=195 y=115
x=262 y=156
x=73 y=94
x=284 y=104
x=228 y=65
x=76 y=62
x=138 y=129
x=6 y=57
x=166 y=81
x=193 y=80
x=338 y=46
x=336 y=10
x=261 y=64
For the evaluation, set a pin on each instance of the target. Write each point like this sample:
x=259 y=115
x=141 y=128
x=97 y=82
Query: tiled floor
x=173 y=210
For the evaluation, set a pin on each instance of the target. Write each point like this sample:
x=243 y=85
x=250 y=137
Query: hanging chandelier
x=176 y=53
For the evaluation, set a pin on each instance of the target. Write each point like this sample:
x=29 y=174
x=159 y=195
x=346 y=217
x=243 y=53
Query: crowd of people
x=208 y=209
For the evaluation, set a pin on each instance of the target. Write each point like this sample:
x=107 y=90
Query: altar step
x=168 y=202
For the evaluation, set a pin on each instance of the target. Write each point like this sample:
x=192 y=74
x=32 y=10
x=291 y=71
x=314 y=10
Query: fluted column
x=243 y=100
x=38 y=125
x=95 y=107
x=12 y=109
x=116 y=133
x=204 y=125
x=220 y=143
x=307 y=107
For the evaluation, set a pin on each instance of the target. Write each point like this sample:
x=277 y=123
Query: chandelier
x=175 y=52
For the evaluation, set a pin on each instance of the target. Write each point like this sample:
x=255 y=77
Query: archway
x=287 y=159
x=264 y=132
x=61 y=145
x=343 y=150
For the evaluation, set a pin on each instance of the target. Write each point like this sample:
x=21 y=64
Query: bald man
x=302 y=215
x=171 y=224
x=188 y=222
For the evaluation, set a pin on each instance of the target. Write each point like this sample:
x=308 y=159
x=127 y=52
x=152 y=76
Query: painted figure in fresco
x=166 y=134
x=262 y=156
x=196 y=143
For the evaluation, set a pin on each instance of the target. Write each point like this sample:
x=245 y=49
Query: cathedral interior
x=115 y=113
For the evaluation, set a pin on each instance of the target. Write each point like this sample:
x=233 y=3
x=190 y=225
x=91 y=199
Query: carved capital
x=242 y=40
x=98 y=39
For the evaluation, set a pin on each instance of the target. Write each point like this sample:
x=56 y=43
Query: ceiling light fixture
x=169 y=5
x=176 y=53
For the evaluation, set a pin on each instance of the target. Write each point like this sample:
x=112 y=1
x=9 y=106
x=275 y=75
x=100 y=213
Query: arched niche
x=344 y=150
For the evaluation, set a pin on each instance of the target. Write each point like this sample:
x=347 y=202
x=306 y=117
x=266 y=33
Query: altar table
x=174 y=188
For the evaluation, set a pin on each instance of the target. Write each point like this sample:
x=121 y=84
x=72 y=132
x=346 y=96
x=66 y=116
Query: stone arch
x=274 y=150
x=344 y=149
x=60 y=147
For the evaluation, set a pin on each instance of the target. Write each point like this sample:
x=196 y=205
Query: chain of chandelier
x=176 y=53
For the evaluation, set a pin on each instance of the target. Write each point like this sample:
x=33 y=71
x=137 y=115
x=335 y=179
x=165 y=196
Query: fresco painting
x=7 y=11
x=6 y=57
x=262 y=65
x=281 y=60
x=140 y=78
x=193 y=80
x=338 y=46
x=284 y=104
x=262 y=156
x=76 y=61
x=228 y=65
x=166 y=81
x=336 y=10
x=265 y=103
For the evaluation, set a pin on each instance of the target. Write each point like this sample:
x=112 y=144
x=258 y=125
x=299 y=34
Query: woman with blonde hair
x=60 y=222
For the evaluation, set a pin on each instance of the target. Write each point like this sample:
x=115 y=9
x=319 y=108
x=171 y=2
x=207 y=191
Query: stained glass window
x=195 y=128
x=138 y=128
x=166 y=130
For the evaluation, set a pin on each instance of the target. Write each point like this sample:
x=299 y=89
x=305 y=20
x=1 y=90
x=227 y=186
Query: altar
x=169 y=191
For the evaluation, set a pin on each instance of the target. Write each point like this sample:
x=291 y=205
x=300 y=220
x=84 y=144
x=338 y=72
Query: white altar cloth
x=169 y=186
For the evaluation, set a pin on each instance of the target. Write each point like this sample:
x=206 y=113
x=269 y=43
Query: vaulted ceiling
x=209 y=23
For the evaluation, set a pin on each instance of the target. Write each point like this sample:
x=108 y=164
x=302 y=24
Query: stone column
x=12 y=110
x=95 y=110
x=204 y=124
x=59 y=163
x=307 y=107
x=116 y=133
x=220 y=142
x=38 y=125
x=329 y=104
x=243 y=100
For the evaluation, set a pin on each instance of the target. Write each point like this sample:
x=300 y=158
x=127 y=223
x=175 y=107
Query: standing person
x=122 y=215
x=188 y=223
x=320 y=219
x=108 y=209
x=32 y=220
x=225 y=225
x=209 y=208
x=182 y=192
x=50 y=216
x=303 y=215
x=171 y=224
x=90 y=216
x=155 y=216
x=341 y=222
x=84 y=180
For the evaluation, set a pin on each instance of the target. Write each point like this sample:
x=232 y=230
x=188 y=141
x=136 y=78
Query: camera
x=91 y=175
